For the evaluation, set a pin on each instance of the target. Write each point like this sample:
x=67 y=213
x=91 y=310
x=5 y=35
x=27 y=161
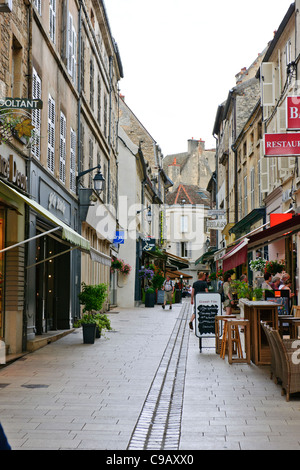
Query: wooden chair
x=296 y=311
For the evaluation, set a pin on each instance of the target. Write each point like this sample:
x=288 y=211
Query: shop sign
x=119 y=238
x=293 y=113
x=282 y=145
x=9 y=170
x=219 y=224
x=149 y=244
x=20 y=103
x=216 y=212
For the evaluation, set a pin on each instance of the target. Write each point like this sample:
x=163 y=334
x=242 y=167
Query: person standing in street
x=228 y=303
x=168 y=288
x=198 y=286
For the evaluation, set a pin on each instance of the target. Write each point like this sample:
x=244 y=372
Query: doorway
x=52 y=286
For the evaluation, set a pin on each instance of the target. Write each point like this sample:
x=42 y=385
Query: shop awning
x=265 y=237
x=236 y=256
x=176 y=261
x=244 y=225
x=99 y=257
x=68 y=233
x=209 y=255
x=177 y=274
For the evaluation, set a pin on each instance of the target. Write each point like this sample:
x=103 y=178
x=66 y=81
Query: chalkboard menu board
x=208 y=305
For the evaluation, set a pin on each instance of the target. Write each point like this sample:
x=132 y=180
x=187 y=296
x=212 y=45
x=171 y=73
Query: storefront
x=46 y=257
x=12 y=262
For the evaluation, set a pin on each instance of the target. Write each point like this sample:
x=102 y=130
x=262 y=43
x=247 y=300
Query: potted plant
x=257 y=293
x=92 y=298
x=157 y=282
x=102 y=323
x=150 y=297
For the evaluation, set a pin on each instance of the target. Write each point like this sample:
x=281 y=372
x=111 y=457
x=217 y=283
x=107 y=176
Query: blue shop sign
x=119 y=238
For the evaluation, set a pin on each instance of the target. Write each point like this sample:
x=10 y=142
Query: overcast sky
x=180 y=59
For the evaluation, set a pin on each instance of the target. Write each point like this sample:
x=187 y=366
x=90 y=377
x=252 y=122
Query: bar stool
x=218 y=331
x=233 y=336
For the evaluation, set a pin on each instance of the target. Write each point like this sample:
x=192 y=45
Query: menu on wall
x=208 y=305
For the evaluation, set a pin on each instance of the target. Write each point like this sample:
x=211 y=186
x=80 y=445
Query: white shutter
x=267 y=73
x=36 y=115
x=264 y=170
x=73 y=162
x=252 y=183
x=70 y=43
x=51 y=134
x=38 y=5
x=62 y=148
x=52 y=19
x=71 y=47
x=74 y=48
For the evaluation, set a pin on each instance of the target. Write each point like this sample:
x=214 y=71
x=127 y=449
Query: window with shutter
x=52 y=19
x=268 y=83
x=71 y=48
x=36 y=115
x=264 y=170
x=51 y=134
x=38 y=5
x=73 y=162
x=252 y=182
x=62 y=149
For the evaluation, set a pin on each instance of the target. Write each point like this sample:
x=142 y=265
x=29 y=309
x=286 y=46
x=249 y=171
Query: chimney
x=192 y=145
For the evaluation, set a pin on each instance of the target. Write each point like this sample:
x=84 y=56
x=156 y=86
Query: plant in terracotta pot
x=92 y=297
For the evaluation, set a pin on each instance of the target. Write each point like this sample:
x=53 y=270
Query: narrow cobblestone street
x=144 y=386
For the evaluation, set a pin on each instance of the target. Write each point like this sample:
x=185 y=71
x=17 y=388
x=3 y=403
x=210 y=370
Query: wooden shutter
x=52 y=19
x=264 y=170
x=62 y=148
x=51 y=135
x=36 y=115
x=73 y=162
x=268 y=83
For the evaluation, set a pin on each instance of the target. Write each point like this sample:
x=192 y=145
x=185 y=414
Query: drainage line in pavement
x=160 y=419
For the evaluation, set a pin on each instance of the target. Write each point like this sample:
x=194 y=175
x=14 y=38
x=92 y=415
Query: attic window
x=204 y=196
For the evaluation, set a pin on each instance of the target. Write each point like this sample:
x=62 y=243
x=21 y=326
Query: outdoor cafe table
x=255 y=312
x=291 y=322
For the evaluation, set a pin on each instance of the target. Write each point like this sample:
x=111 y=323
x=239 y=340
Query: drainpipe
x=80 y=95
x=235 y=166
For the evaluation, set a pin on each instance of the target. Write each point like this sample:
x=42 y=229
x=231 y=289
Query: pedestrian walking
x=198 y=286
x=168 y=288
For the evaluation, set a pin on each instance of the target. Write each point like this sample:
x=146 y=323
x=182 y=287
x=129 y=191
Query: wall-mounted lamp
x=98 y=178
x=207 y=243
x=149 y=214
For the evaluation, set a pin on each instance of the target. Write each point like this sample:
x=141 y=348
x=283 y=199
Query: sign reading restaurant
x=20 y=103
x=286 y=144
x=282 y=145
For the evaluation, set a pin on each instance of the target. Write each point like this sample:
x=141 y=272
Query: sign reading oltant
x=20 y=103
x=282 y=145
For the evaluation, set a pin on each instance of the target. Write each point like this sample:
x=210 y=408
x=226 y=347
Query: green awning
x=206 y=257
x=68 y=233
x=244 y=225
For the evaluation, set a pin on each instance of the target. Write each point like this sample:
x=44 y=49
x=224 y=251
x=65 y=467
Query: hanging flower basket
x=258 y=264
x=274 y=267
x=120 y=266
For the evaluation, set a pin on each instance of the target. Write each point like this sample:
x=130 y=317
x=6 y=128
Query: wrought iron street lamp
x=98 y=178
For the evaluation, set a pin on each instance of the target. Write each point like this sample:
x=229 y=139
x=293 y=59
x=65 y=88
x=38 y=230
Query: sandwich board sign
x=207 y=307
